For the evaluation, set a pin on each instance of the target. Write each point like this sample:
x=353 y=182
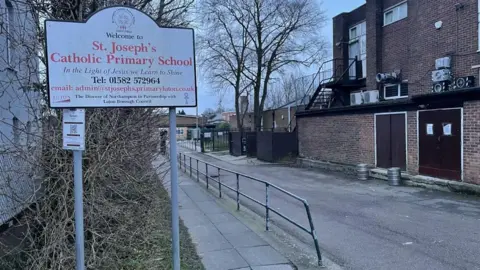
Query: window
x=353 y=33
x=395 y=13
x=358 y=31
x=358 y=47
x=9 y=24
x=393 y=91
x=478 y=26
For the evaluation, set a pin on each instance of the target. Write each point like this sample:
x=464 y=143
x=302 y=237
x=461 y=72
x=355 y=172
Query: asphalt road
x=368 y=225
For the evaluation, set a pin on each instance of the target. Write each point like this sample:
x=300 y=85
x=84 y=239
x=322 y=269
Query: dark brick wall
x=414 y=43
x=412 y=150
x=346 y=139
x=374 y=14
x=471 y=142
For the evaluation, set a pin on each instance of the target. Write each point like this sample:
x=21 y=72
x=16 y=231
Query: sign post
x=118 y=58
x=74 y=139
x=174 y=188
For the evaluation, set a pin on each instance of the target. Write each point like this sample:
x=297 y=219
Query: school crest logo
x=124 y=19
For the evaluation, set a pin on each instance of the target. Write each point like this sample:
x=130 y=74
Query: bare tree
x=224 y=43
x=120 y=183
x=290 y=87
x=281 y=34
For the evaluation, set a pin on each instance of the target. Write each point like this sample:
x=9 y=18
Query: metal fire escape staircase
x=331 y=77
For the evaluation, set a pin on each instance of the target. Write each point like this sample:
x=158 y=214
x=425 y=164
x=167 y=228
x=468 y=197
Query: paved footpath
x=370 y=225
x=223 y=241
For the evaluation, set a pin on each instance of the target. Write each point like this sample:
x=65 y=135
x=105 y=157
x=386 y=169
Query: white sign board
x=119 y=58
x=74 y=129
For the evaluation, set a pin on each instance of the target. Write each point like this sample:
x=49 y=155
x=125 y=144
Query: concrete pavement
x=370 y=225
x=223 y=241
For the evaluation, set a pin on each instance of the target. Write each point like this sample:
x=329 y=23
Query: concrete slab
x=223 y=260
x=273 y=267
x=186 y=204
x=195 y=194
x=221 y=217
x=245 y=239
x=262 y=255
x=210 y=207
x=232 y=227
x=194 y=217
x=204 y=231
x=208 y=243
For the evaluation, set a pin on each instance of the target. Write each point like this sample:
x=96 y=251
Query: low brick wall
x=346 y=139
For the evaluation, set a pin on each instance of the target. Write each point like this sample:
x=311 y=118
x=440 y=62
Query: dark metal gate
x=235 y=145
x=215 y=140
x=251 y=144
x=274 y=146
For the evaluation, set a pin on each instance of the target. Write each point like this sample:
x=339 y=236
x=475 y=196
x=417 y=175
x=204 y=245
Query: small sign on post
x=74 y=129
x=118 y=58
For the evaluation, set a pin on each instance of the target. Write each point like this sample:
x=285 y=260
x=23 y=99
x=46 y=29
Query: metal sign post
x=74 y=139
x=174 y=189
x=78 y=195
x=119 y=58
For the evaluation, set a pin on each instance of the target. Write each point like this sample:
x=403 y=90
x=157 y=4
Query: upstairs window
x=478 y=26
x=395 y=13
x=393 y=91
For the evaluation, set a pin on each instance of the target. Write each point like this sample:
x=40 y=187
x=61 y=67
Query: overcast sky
x=208 y=100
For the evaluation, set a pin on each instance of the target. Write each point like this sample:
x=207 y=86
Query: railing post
x=180 y=160
x=314 y=234
x=238 y=192
x=185 y=163
x=219 y=184
x=267 y=219
x=190 y=167
x=206 y=173
x=198 y=179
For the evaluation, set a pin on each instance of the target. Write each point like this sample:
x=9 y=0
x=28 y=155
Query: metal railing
x=191 y=170
x=328 y=72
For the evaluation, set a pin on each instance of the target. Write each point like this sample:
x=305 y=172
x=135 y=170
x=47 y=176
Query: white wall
x=17 y=101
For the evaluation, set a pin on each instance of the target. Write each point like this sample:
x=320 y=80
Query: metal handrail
x=236 y=189
x=315 y=94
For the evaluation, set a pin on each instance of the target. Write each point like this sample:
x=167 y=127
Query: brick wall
x=414 y=43
x=412 y=150
x=346 y=139
x=374 y=14
x=471 y=140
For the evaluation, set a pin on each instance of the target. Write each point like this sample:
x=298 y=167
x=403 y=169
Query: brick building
x=401 y=90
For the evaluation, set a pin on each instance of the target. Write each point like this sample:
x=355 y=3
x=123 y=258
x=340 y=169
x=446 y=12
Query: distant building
x=185 y=123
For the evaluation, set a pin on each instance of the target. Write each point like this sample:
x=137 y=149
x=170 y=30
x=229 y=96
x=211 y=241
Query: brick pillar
x=374 y=41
